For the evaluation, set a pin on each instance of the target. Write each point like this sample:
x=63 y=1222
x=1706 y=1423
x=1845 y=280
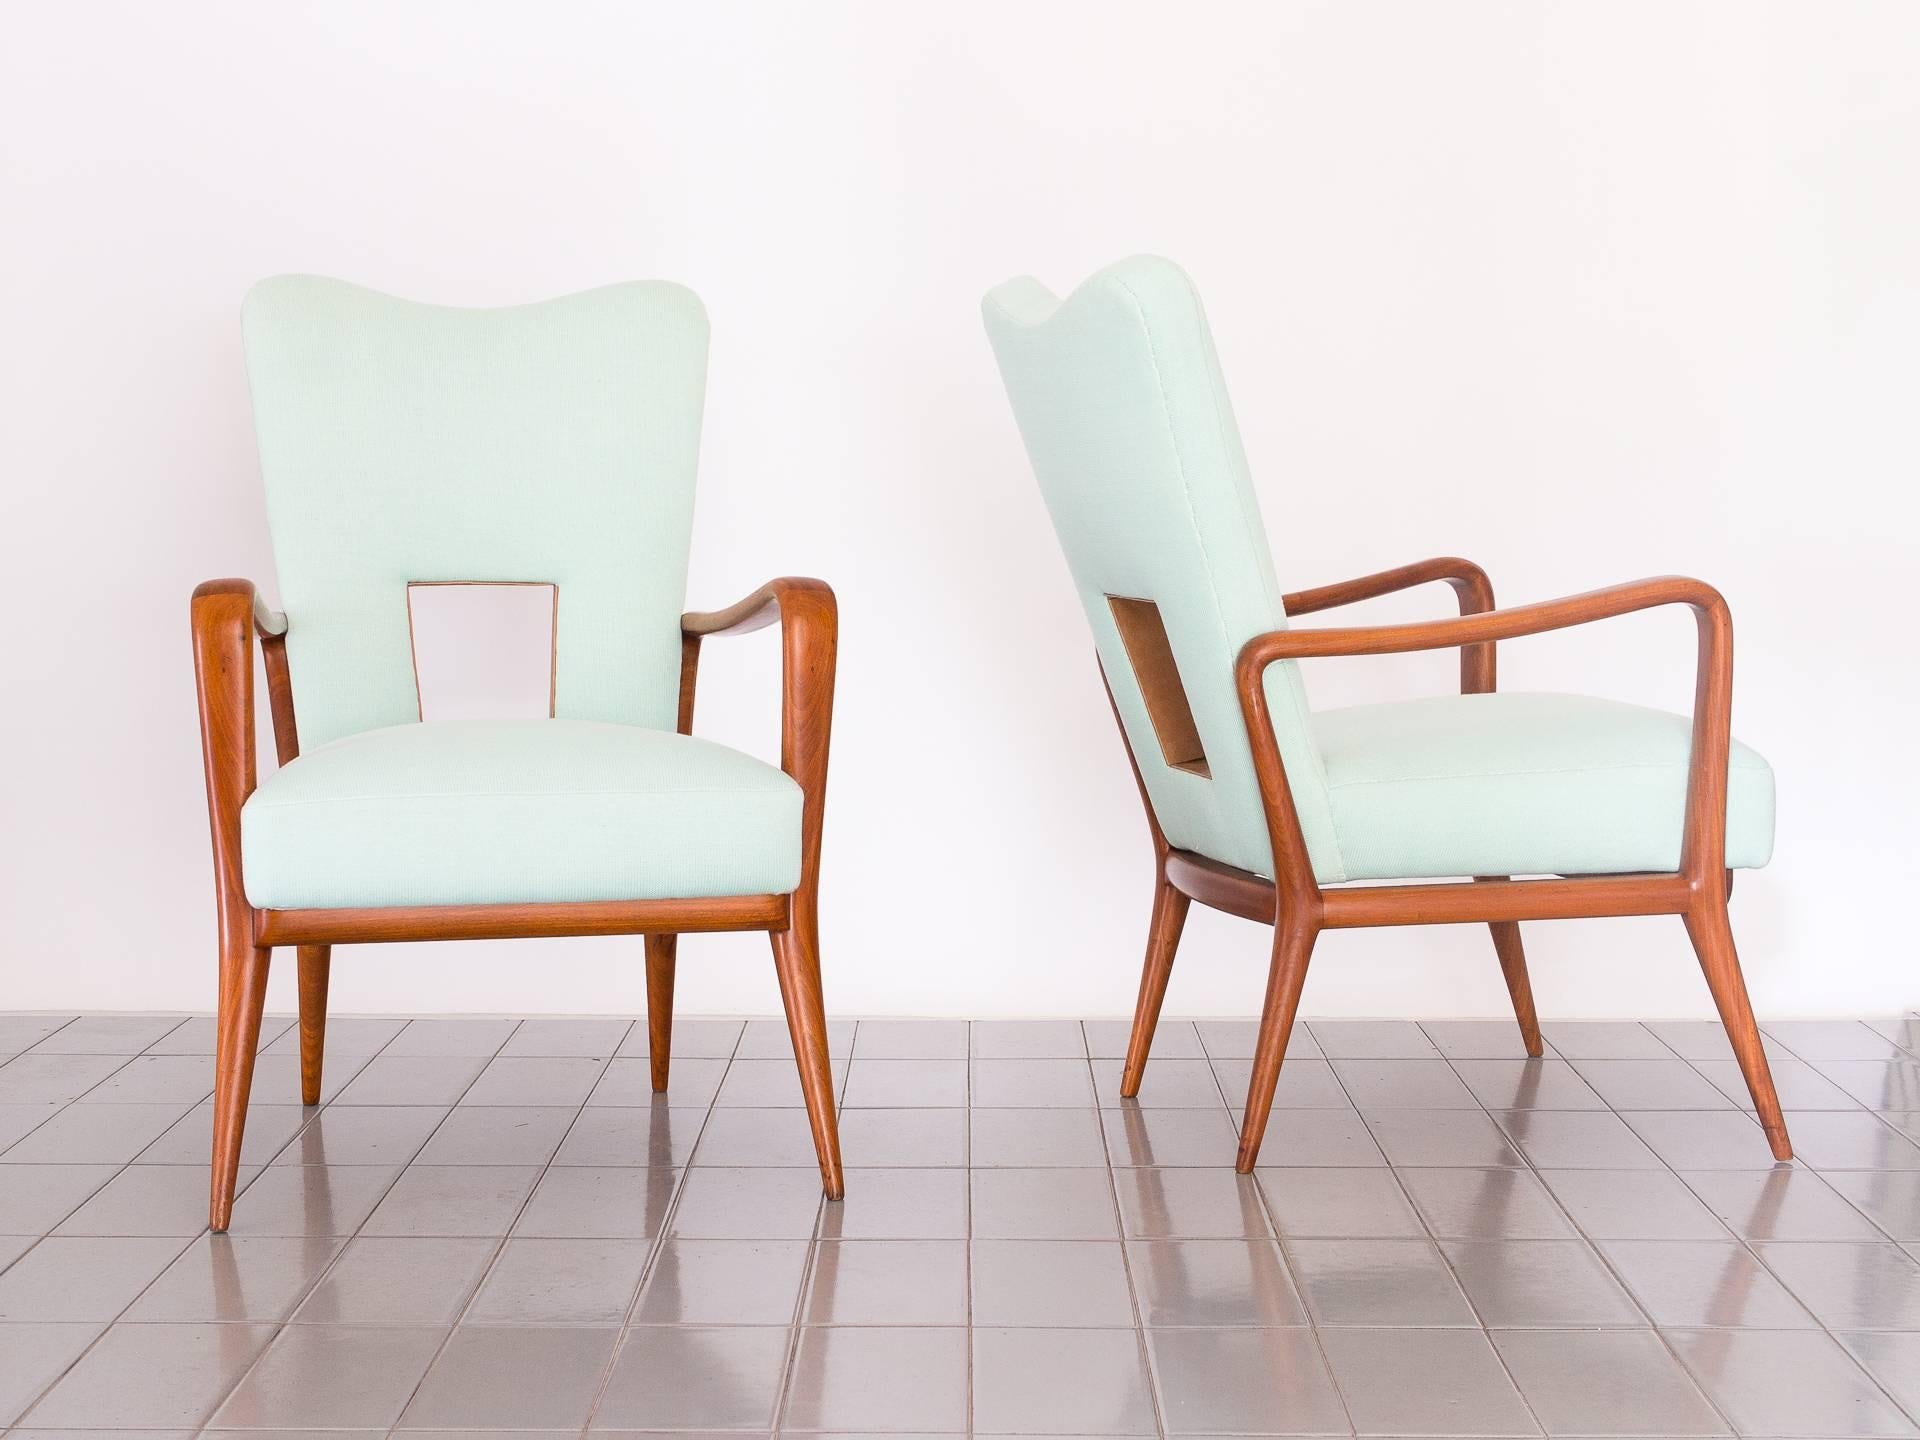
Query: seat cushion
x=478 y=812
x=1519 y=784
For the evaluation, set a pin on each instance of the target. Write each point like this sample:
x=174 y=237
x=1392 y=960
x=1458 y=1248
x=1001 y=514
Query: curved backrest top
x=548 y=443
x=1119 y=398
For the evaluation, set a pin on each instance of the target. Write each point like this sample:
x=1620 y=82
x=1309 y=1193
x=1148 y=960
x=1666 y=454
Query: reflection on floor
x=493 y=1225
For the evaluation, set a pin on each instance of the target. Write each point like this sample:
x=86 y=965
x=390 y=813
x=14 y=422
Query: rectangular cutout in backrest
x=483 y=649
x=1151 y=655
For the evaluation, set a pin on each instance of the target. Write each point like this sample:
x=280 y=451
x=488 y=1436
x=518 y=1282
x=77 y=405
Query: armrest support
x=223 y=615
x=809 y=634
x=1469 y=582
x=1703 y=848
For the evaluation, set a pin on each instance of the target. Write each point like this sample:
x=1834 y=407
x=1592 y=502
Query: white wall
x=1584 y=292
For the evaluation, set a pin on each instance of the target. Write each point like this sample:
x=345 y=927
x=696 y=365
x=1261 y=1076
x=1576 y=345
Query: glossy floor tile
x=494 y=1229
x=1425 y=1382
x=1606 y=1382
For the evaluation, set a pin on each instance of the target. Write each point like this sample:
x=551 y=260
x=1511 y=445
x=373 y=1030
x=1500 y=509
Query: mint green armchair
x=551 y=444
x=1535 y=806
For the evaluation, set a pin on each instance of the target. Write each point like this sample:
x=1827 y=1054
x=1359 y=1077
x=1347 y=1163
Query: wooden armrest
x=758 y=610
x=810 y=636
x=1469 y=582
x=224 y=613
x=1703 y=847
x=1469 y=629
x=267 y=624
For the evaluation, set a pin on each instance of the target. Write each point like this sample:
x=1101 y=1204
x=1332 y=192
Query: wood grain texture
x=315 y=969
x=796 y=962
x=1169 y=918
x=387 y=924
x=1513 y=967
x=286 y=729
x=1293 y=938
x=1468 y=581
x=1156 y=675
x=662 y=957
x=1164 y=927
x=1712 y=935
x=222 y=617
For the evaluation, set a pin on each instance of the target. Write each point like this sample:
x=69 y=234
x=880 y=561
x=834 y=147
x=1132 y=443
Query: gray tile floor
x=491 y=1225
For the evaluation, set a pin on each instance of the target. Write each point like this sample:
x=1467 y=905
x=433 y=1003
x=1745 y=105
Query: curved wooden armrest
x=224 y=614
x=1703 y=847
x=267 y=624
x=1469 y=582
x=760 y=609
x=1508 y=624
x=810 y=637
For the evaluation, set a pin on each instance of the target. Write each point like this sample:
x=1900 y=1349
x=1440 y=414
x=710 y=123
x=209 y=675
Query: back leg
x=661 y=951
x=1163 y=938
x=315 y=963
x=1513 y=964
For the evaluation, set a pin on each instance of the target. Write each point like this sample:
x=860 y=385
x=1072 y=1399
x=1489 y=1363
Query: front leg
x=223 y=620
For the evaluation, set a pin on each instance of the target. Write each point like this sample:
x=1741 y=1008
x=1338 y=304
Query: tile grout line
x=1747 y=1243
x=796 y=1326
x=198 y=1426
x=1273 y=1226
x=59 y=1107
x=1426 y=1225
x=1592 y=1245
x=520 y=1210
x=188 y=1243
x=281 y=1327
x=966 y=1211
x=1749 y=1247
x=624 y=1331
x=1141 y=1347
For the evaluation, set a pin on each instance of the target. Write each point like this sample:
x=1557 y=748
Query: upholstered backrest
x=551 y=443
x=1120 y=401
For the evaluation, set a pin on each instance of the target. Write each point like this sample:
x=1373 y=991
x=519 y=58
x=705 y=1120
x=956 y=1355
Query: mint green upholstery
x=1520 y=784
x=552 y=442
x=1120 y=401
x=518 y=811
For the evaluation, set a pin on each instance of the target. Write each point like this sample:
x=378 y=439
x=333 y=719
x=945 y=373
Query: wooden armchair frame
x=227 y=616
x=1298 y=908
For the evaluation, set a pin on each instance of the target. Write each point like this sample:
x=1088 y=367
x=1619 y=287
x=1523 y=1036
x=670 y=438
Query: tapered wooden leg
x=1163 y=938
x=1712 y=936
x=1513 y=964
x=661 y=953
x=796 y=958
x=1292 y=948
x=316 y=961
x=243 y=992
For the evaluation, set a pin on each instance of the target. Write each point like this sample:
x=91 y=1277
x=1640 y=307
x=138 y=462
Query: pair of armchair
x=555 y=444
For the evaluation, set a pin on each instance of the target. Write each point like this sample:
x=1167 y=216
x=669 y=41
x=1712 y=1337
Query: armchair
x=1486 y=807
x=403 y=444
